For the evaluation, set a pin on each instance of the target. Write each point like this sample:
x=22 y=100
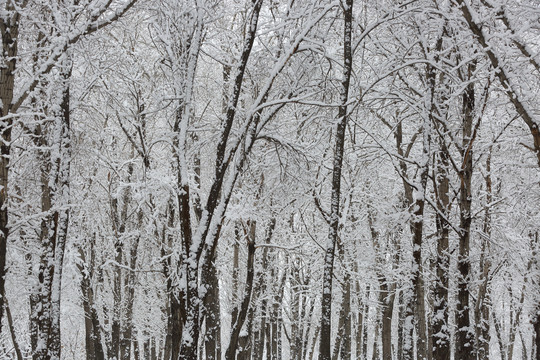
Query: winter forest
x=270 y=179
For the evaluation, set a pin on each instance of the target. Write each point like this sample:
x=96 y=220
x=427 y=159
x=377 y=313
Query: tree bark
x=326 y=302
x=536 y=329
x=212 y=341
x=465 y=336
x=441 y=334
x=238 y=321
x=483 y=303
x=94 y=348
x=9 y=30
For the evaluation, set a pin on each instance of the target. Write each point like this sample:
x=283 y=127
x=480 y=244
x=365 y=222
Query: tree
x=326 y=304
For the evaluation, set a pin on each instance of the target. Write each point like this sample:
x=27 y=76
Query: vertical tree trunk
x=326 y=302
x=388 y=295
x=55 y=180
x=9 y=30
x=376 y=354
x=419 y=306
x=121 y=278
x=406 y=311
x=360 y=323
x=129 y=286
x=441 y=334
x=212 y=340
x=238 y=321
x=483 y=303
x=261 y=289
x=536 y=329
x=347 y=326
x=386 y=292
x=94 y=348
x=465 y=336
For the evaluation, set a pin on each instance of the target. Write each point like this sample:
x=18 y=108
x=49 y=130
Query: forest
x=270 y=179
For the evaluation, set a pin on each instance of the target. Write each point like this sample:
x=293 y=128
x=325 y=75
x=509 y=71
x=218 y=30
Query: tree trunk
x=536 y=329
x=419 y=306
x=360 y=323
x=55 y=179
x=174 y=306
x=9 y=30
x=129 y=286
x=347 y=326
x=465 y=336
x=326 y=302
x=212 y=340
x=387 y=314
x=94 y=348
x=238 y=321
x=441 y=334
x=483 y=303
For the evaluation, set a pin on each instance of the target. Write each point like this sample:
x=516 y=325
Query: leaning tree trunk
x=326 y=302
x=502 y=73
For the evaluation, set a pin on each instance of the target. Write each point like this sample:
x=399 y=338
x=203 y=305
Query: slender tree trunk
x=238 y=321
x=465 y=336
x=419 y=305
x=441 y=334
x=261 y=288
x=326 y=302
x=406 y=311
x=94 y=348
x=387 y=314
x=360 y=323
x=347 y=326
x=386 y=293
x=376 y=354
x=130 y=282
x=483 y=303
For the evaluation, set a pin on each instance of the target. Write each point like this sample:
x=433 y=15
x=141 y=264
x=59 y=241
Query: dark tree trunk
x=441 y=335
x=9 y=30
x=483 y=303
x=94 y=348
x=174 y=306
x=464 y=335
x=212 y=340
x=536 y=328
x=326 y=302
x=55 y=199
x=238 y=321
x=360 y=323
